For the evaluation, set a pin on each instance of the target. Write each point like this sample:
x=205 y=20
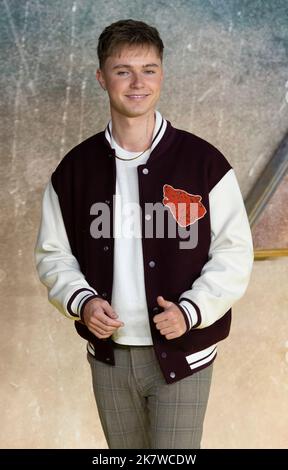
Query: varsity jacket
x=204 y=267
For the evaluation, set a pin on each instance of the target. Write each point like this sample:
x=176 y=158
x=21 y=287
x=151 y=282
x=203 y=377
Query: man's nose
x=137 y=81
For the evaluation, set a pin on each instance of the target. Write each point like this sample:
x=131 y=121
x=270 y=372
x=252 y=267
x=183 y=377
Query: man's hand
x=100 y=318
x=171 y=322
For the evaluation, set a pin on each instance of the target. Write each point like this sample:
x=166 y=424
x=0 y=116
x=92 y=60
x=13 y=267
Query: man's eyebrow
x=121 y=66
x=151 y=65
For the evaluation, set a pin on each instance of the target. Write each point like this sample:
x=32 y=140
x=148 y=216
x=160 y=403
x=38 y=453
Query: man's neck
x=133 y=134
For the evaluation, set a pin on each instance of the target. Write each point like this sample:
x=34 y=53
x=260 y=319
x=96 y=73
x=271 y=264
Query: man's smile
x=136 y=97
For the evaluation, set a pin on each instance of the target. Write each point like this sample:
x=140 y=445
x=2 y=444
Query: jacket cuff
x=192 y=311
x=75 y=301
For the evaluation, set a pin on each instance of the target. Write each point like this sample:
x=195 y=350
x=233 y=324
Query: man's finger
x=160 y=317
x=97 y=330
x=163 y=302
x=167 y=331
x=162 y=324
x=105 y=320
x=104 y=328
x=109 y=310
x=168 y=315
x=172 y=336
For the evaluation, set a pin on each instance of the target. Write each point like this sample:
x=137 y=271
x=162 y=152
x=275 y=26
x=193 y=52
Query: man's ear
x=100 y=78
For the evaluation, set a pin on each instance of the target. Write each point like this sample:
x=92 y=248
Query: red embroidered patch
x=186 y=208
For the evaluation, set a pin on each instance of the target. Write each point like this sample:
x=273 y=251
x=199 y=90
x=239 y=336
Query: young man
x=145 y=243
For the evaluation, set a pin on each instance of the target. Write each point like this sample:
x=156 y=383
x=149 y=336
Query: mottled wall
x=227 y=81
x=271 y=229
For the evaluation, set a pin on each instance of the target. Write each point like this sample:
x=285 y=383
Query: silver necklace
x=133 y=158
x=137 y=156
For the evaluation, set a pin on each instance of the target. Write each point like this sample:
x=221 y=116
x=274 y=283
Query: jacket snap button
x=164 y=355
x=107 y=201
x=107 y=359
x=155 y=310
x=145 y=171
x=152 y=264
x=172 y=375
x=104 y=294
x=106 y=248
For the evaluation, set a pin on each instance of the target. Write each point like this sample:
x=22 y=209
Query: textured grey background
x=227 y=81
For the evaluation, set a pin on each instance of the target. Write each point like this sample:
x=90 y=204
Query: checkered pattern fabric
x=139 y=410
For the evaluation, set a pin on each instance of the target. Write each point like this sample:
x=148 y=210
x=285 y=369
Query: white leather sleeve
x=57 y=268
x=225 y=276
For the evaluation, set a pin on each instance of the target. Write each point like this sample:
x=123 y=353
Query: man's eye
x=150 y=71
x=122 y=73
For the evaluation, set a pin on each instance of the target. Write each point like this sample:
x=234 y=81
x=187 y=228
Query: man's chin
x=138 y=110
x=134 y=113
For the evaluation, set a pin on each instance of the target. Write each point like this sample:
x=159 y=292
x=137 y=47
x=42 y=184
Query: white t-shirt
x=128 y=293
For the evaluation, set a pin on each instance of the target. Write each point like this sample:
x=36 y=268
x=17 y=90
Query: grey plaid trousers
x=139 y=410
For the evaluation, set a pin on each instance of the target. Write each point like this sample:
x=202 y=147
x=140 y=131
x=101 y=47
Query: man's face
x=133 y=79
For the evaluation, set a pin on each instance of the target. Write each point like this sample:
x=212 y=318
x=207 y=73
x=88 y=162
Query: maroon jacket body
x=87 y=175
